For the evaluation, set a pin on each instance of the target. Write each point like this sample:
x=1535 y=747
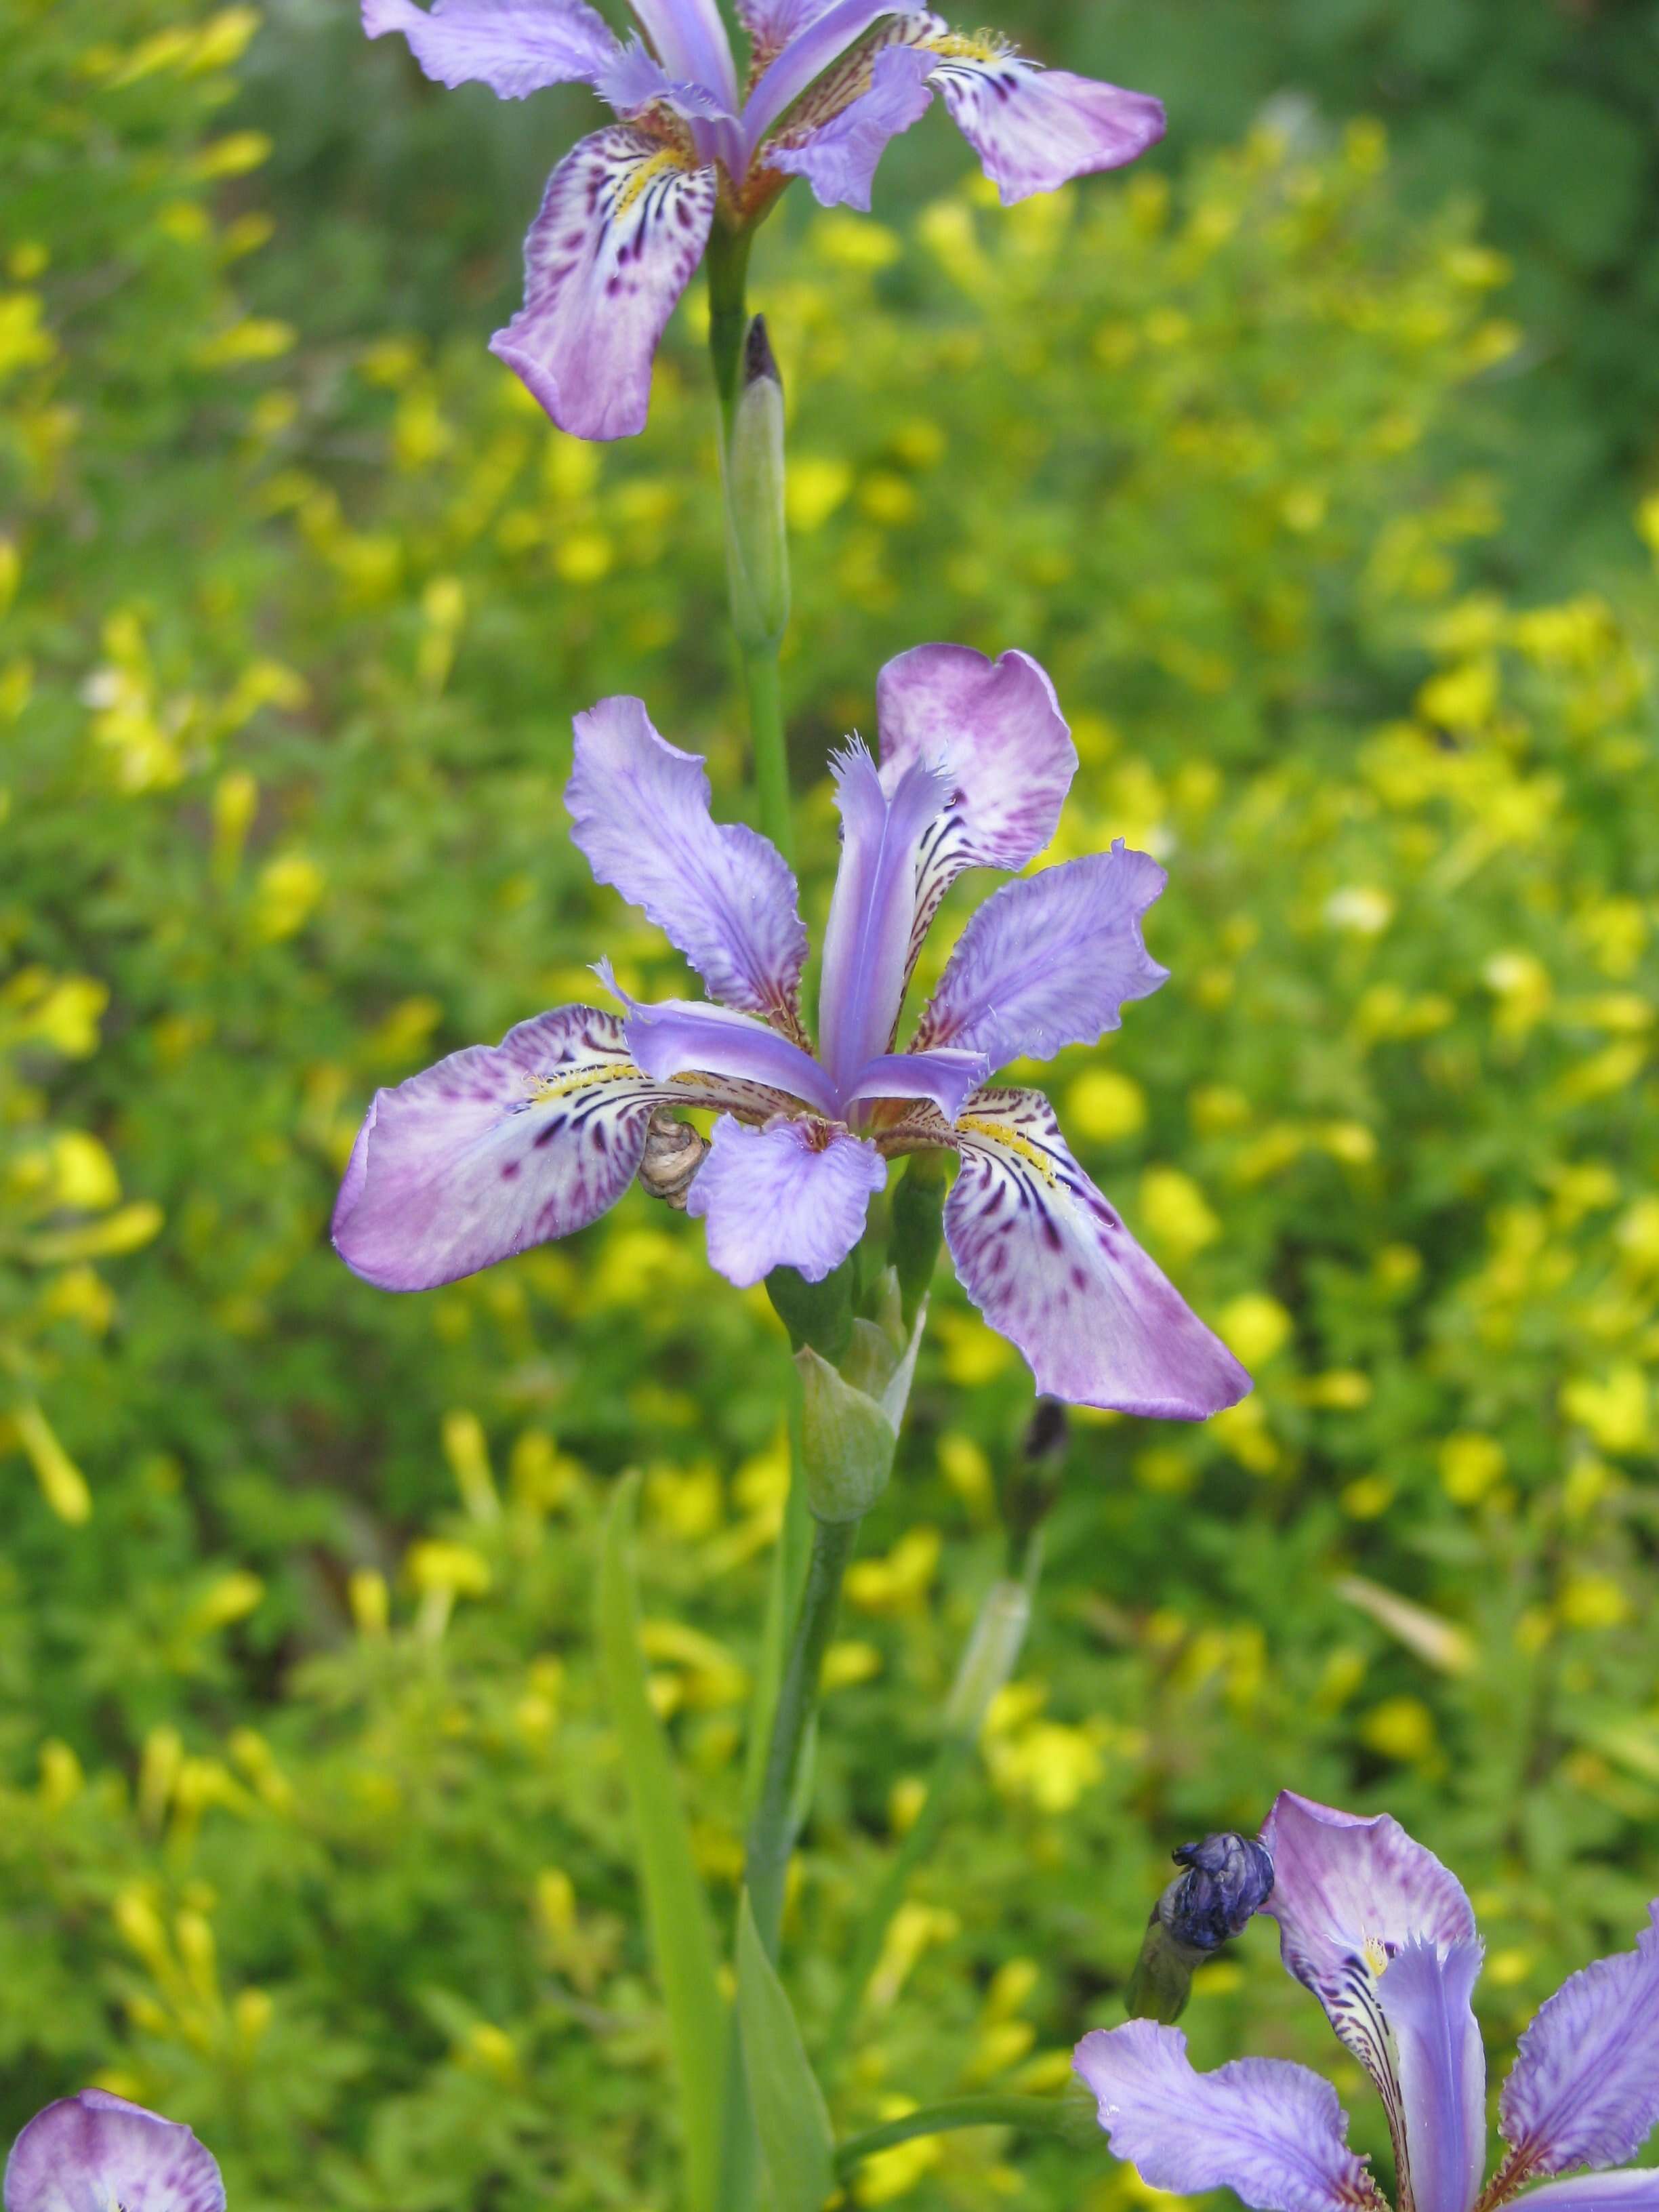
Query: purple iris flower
x=1384 y=1936
x=499 y=1148
x=95 y=2153
x=627 y=214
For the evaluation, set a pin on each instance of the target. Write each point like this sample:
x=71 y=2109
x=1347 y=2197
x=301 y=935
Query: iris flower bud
x=1228 y=1878
x=756 y=547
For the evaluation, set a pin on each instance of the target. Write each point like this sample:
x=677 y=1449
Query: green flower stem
x=772 y=1831
x=1036 y=2115
x=964 y=1720
x=727 y=262
x=765 y=694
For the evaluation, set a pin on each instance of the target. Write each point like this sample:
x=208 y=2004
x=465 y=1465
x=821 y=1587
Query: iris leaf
x=791 y=2117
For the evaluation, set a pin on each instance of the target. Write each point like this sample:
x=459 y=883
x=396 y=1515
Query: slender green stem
x=760 y=678
x=772 y=1830
x=1037 y=2115
x=727 y=262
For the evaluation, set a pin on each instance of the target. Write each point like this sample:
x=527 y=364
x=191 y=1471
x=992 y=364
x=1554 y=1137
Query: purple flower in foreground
x=95 y=2153
x=496 y=1149
x=628 y=212
x=1385 y=1938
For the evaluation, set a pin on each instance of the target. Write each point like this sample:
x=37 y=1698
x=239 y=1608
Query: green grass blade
x=676 y=1907
x=791 y=2117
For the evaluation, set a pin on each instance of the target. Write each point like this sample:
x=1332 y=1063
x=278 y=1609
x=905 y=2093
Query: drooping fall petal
x=1048 y=1263
x=793 y=1194
x=622 y=225
x=1272 y=2133
x=1036 y=128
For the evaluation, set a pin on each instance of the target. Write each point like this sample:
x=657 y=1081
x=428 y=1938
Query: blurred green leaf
x=791 y=2117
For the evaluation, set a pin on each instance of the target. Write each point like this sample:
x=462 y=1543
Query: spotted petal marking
x=1035 y=129
x=501 y=1147
x=622 y=225
x=1048 y=1263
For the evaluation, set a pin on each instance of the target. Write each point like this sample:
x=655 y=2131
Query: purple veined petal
x=1049 y=961
x=866 y=944
x=1050 y=1264
x=622 y=225
x=1356 y=1900
x=820 y=39
x=722 y=894
x=515 y=46
x=946 y=1076
x=838 y=158
x=1584 y=2088
x=995 y=728
x=92 y=2151
x=1272 y=2133
x=1440 y=2069
x=634 y=79
x=1035 y=129
x=793 y=1194
x=690 y=41
x=1629 y=2189
x=772 y=23
x=679 y=1037
x=501 y=1147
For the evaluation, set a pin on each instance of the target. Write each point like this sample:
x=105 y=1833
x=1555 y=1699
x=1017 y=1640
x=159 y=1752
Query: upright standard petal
x=691 y=40
x=1048 y=962
x=1584 y=2089
x=994 y=729
x=1384 y=1936
x=1035 y=129
x=1272 y=2133
x=87 y=2153
x=623 y=224
x=1050 y=1264
x=866 y=945
x=721 y=893
x=838 y=158
x=501 y=1147
x=793 y=1194
x=1441 y=2070
x=820 y=37
x=515 y=46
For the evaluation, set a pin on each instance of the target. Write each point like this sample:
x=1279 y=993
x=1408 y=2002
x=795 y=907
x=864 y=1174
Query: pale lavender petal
x=1035 y=129
x=515 y=46
x=772 y=23
x=947 y=1076
x=995 y=729
x=1441 y=2070
x=793 y=1194
x=721 y=893
x=93 y=2151
x=866 y=944
x=820 y=39
x=1272 y=2133
x=1584 y=2090
x=679 y=1037
x=1630 y=2190
x=1353 y=1898
x=620 y=227
x=498 y=1148
x=691 y=40
x=1049 y=961
x=633 y=79
x=1050 y=1264
x=838 y=159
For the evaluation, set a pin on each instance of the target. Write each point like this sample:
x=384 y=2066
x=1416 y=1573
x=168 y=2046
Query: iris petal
x=1584 y=2090
x=515 y=46
x=1035 y=129
x=96 y=2149
x=793 y=1194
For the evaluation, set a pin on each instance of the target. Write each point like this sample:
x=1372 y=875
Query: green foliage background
x=311 y=1828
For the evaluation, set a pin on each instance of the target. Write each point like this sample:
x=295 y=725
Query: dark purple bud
x=1228 y=1878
